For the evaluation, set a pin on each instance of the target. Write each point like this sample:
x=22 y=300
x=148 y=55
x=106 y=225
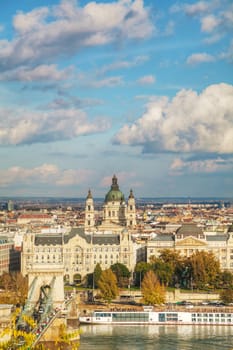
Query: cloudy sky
x=140 y=89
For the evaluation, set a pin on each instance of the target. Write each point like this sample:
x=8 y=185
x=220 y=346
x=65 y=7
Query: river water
x=156 y=337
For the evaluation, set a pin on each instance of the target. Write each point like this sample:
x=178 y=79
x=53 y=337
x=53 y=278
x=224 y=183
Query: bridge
x=45 y=304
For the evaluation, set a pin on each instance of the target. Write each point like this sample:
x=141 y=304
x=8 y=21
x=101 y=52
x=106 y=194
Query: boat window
x=162 y=317
x=130 y=317
x=103 y=314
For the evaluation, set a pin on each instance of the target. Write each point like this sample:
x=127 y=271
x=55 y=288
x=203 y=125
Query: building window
x=89 y=207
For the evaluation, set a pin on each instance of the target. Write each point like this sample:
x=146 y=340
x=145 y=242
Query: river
x=155 y=337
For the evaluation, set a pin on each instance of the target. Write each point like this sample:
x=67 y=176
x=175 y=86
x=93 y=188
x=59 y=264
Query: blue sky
x=140 y=89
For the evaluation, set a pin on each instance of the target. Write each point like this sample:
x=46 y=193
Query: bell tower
x=131 y=211
x=89 y=213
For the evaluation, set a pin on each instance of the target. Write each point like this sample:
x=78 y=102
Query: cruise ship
x=148 y=316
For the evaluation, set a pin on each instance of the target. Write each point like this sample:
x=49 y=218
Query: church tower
x=114 y=209
x=89 y=213
x=131 y=211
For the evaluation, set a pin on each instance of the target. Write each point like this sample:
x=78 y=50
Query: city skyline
x=140 y=89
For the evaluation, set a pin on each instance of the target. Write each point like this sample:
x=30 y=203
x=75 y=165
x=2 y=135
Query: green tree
x=176 y=264
x=96 y=274
x=153 y=292
x=122 y=274
x=163 y=270
x=140 y=270
x=226 y=296
x=108 y=285
x=226 y=279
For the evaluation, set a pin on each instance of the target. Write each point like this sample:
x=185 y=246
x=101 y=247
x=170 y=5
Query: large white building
x=190 y=238
x=82 y=248
x=111 y=240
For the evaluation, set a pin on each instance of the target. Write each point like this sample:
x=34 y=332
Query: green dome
x=114 y=194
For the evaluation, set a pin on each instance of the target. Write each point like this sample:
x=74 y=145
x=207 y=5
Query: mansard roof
x=163 y=237
x=97 y=238
x=216 y=238
x=74 y=232
x=189 y=230
x=50 y=239
x=106 y=239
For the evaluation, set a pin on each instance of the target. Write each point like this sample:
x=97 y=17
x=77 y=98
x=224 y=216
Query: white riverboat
x=149 y=316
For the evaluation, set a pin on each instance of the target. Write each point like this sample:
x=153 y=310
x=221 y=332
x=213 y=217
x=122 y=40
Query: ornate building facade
x=189 y=238
x=82 y=248
x=116 y=212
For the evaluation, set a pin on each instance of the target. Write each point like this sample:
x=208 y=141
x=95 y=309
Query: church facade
x=80 y=249
x=117 y=213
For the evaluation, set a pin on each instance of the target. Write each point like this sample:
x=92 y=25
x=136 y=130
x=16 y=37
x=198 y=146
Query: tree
x=140 y=269
x=96 y=274
x=108 y=285
x=226 y=279
x=20 y=284
x=204 y=269
x=16 y=288
x=153 y=292
x=6 y=281
x=226 y=296
x=175 y=262
x=163 y=271
x=122 y=274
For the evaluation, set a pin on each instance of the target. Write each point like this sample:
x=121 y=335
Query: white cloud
x=169 y=30
x=190 y=122
x=61 y=124
x=39 y=73
x=197 y=58
x=124 y=64
x=146 y=80
x=197 y=8
x=106 y=82
x=45 y=173
x=209 y=23
x=27 y=22
x=228 y=55
x=45 y=32
x=179 y=166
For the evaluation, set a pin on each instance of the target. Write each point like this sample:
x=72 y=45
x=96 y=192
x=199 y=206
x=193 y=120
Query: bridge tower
x=48 y=276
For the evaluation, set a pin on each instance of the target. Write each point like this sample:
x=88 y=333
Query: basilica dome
x=114 y=194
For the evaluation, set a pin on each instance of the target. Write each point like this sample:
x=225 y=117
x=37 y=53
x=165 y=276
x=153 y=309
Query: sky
x=140 y=89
